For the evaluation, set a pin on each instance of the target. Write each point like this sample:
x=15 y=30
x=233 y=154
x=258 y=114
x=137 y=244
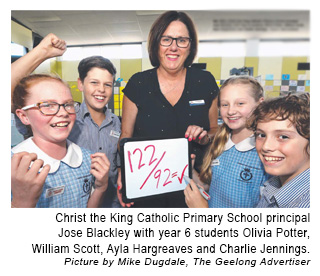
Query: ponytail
x=216 y=149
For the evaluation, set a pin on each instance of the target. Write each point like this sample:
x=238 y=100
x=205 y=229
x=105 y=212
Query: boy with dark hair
x=88 y=63
x=96 y=128
x=282 y=130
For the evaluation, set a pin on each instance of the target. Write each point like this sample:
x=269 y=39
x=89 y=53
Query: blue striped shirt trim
x=294 y=194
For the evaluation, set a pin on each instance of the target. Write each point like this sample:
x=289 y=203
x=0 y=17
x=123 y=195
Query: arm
x=50 y=46
x=193 y=197
x=119 y=193
x=213 y=118
x=129 y=115
x=27 y=184
x=196 y=178
x=100 y=166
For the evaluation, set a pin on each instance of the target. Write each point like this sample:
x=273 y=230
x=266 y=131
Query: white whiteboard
x=154 y=167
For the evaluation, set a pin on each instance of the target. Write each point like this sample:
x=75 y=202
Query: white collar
x=73 y=157
x=245 y=145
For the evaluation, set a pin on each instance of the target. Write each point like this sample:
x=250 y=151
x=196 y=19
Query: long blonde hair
x=220 y=139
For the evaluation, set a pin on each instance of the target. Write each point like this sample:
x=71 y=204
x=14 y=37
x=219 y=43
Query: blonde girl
x=231 y=164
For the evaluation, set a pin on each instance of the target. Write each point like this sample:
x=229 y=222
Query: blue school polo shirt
x=237 y=175
x=104 y=138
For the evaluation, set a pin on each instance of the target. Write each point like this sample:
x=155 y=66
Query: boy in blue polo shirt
x=96 y=127
x=282 y=130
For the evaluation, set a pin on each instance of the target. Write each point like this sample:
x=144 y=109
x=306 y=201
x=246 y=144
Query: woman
x=172 y=99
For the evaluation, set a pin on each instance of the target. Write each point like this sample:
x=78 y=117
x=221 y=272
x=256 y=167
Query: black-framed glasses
x=52 y=108
x=182 y=42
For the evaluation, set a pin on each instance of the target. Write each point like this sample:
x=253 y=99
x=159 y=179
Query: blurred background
x=272 y=46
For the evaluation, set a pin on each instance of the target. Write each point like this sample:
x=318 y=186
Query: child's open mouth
x=232 y=119
x=60 y=124
x=99 y=98
x=273 y=159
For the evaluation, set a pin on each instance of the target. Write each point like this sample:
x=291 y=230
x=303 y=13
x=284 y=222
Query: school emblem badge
x=86 y=185
x=246 y=174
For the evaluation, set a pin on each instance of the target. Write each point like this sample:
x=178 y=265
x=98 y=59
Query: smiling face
x=97 y=88
x=282 y=149
x=172 y=58
x=236 y=105
x=52 y=128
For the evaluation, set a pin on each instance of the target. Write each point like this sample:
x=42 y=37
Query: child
x=282 y=130
x=67 y=175
x=96 y=128
x=232 y=164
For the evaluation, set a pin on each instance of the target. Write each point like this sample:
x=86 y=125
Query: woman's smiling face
x=172 y=58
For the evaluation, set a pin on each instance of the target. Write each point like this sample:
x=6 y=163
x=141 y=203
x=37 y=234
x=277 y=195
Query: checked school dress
x=237 y=175
x=69 y=182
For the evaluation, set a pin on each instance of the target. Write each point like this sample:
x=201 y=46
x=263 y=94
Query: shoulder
x=138 y=83
x=115 y=119
x=85 y=151
x=26 y=145
x=199 y=73
x=75 y=147
x=82 y=112
x=271 y=185
x=203 y=81
x=86 y=155
x=142 y=75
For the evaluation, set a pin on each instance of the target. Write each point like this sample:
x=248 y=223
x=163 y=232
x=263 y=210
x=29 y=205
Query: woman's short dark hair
x=88 y=63
x=159 y=27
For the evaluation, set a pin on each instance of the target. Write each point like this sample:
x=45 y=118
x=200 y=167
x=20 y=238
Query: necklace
x=166 y=87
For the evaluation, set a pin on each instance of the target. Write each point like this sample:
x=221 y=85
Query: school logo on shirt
x=246 y=174
x=87 y=184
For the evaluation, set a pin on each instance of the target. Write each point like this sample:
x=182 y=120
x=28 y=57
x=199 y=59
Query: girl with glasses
x=96 y=128
x=47 y=169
